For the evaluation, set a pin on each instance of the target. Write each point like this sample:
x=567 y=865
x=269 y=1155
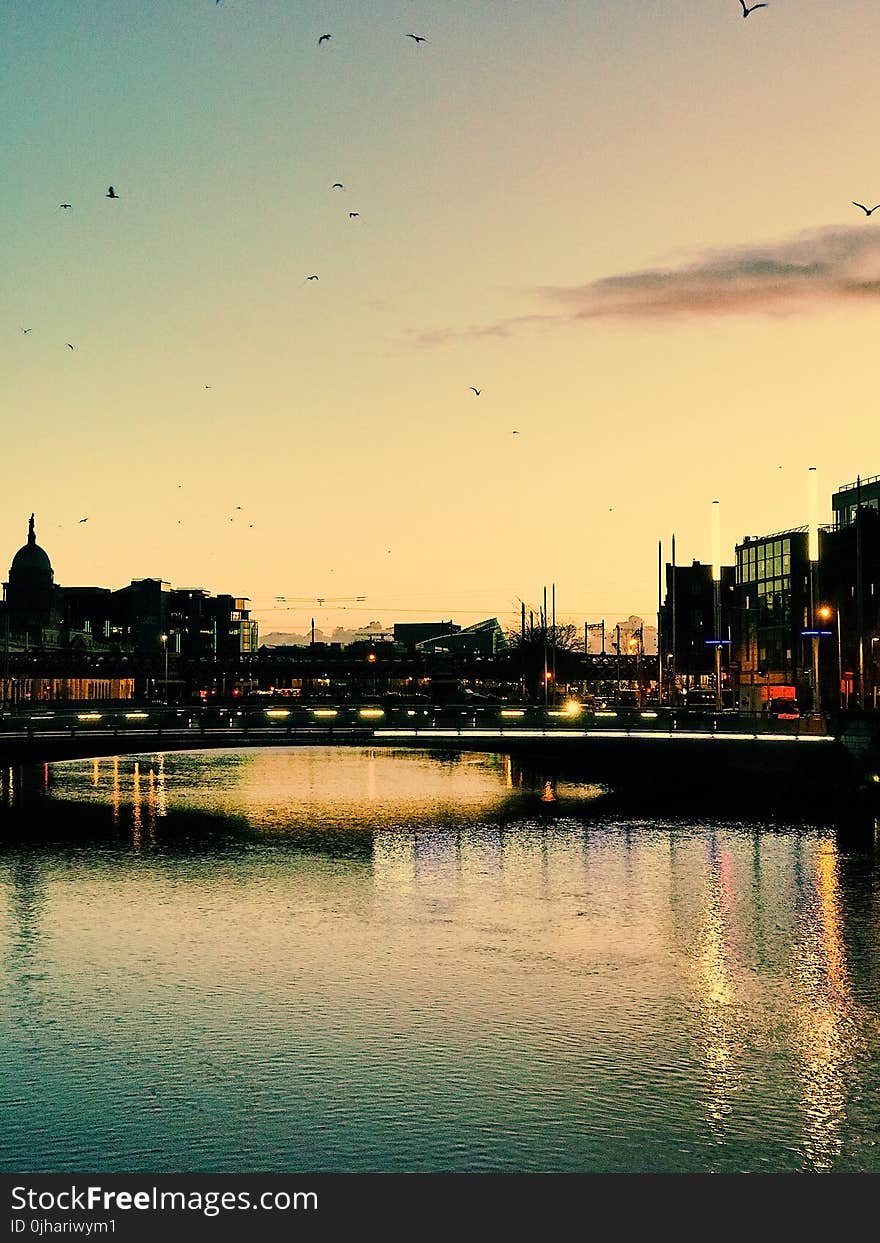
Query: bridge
x=664 y=750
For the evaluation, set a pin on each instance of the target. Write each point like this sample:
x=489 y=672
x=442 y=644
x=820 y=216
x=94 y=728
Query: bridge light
x=324 y=713
x=371 y=714
x=136 y=716
x=510 y=712
x=277 y=714
x=88 y=716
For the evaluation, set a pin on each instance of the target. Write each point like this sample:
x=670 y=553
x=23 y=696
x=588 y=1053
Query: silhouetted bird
x=476 y=390
x=83 y=520
x=70 y=347
x=323 y=38
x=866 y=210
x=111 y=194
x=311 y=278
x=337 y=185
x=514 y=433
x=352 y=214
x=206 y=386
x=746 y=11
x=65 y=206
x=27 y=330
x=418 y=38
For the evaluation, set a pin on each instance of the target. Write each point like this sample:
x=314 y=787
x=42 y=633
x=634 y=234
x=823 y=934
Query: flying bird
x=514 y=433
x=866 y=210
x=206 y=386
x=65 y=206
x=352 y=214
x=27 y=330
x=70 y=347
x=476 y=390
x=337 y=185
x=418 y=38
x=323 y=38
x=311 y=278
x=746 y=11
x=111 y=194
x=83 y=520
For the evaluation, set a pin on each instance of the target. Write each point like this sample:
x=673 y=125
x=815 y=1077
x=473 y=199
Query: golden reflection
x=136 y=805
x=825 y=1034
x=548 y=792
x=115 y=795
x=716 y=998
x=161 y=802
x=507 y=770
x=96 y=772
x=151 y=801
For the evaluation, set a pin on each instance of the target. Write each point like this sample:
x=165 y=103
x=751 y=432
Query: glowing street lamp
x=164 y=638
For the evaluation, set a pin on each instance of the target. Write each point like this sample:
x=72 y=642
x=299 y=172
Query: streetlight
x=164 y=638
x=716 y=594
x=817 y=632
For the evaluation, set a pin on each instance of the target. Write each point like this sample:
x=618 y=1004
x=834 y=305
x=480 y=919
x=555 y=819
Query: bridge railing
x=270 y=717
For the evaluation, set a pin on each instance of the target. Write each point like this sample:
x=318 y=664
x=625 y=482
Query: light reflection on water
x=347 y=960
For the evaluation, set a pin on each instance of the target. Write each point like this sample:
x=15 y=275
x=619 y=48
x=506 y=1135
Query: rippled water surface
x=342 y=960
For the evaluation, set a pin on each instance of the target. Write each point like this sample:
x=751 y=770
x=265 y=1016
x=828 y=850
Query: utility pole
x=860 y=601
x=553 y=649
x=522 y=647
x=659 y=622
x=813 y=556
x=544 y=638
x=617 y=689
x=674 y=671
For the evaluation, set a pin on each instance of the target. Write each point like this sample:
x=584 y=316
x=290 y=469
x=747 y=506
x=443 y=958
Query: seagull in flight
x=337 y=185
x=111 y=194
x=65 y=206
x=82 y=520
x=866 y=210
x=352 y=214
x=323 y=38
x=70 y=347
x=418 y=38
x=514 y=433
x=311 y=278
x=27 y=330
x=746 y=11
x=476 y=390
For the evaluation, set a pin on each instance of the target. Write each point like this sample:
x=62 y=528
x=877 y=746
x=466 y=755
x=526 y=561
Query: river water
x=330 y=959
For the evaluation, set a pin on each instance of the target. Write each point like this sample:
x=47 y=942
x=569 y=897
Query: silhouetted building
x=32 y=601
x=862 y=494
x=483 y=638
x=689 y=625
x=411 y=634
x=849 y=590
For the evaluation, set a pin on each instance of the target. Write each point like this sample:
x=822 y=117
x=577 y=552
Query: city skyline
x=544 y=175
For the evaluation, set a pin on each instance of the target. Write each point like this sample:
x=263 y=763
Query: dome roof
x=31 y=556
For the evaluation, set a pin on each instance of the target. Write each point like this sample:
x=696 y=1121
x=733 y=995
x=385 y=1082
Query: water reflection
x=359 y=960
x=716 y=991
x=826 y=1036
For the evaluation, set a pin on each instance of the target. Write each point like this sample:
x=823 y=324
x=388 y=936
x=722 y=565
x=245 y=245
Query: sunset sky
x=627 y=222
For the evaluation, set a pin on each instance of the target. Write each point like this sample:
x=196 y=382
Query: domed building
x=31 y=597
